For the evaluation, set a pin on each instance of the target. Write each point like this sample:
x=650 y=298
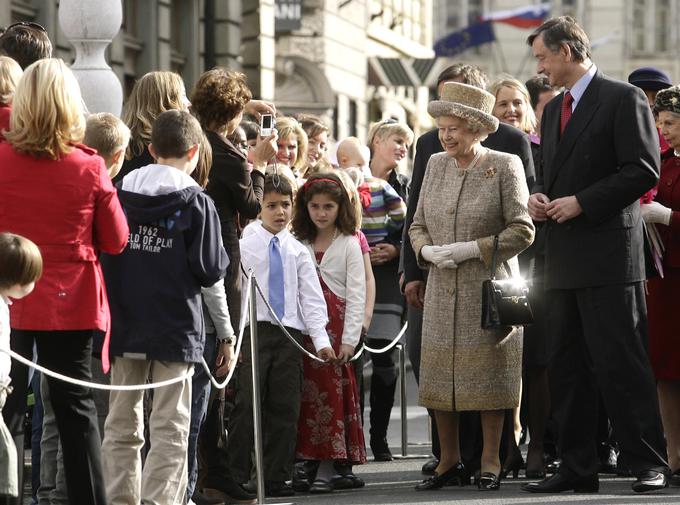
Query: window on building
x=177 y=18
x=651 y=29
x=353 y=116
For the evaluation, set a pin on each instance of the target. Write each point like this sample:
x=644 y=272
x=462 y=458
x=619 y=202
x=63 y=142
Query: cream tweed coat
x=464 y=367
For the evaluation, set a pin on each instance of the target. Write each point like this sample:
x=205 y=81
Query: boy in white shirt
x=286 y=273
x=20 y=267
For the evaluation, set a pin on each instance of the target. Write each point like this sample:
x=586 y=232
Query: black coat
x=237 y=194
x=608 y=157
x=507 y=139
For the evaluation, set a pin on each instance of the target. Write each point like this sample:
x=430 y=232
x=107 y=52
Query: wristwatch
x=227 y=340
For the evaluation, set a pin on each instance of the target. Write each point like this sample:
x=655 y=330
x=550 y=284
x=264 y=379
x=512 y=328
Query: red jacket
x=5 y=113
x=70 y=209
x=669 y=195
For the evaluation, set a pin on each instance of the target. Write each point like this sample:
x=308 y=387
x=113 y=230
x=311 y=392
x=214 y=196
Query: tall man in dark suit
x=599 y=155
x=506 y=139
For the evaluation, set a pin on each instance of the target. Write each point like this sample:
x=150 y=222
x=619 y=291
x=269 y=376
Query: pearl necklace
x=474 y=161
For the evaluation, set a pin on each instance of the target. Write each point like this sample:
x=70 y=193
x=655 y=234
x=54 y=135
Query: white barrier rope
x=315 y=357
x=389 y=346
x=283 y=328
x=96 y=385
x=206 y=367
x=237 y=350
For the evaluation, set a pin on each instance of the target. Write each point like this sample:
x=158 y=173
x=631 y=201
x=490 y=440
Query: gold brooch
x=490 y=172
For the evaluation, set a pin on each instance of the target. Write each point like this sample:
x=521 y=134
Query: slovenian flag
x=530 y=16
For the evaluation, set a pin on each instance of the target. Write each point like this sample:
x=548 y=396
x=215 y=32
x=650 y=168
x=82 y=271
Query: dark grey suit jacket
x=608 y=157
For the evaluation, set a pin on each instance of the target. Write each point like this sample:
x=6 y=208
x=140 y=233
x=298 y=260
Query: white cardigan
x=342 y=269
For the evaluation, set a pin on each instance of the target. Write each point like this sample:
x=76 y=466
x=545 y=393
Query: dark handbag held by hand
x=505 y=302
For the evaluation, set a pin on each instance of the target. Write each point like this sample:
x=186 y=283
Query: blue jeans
x=200 y=393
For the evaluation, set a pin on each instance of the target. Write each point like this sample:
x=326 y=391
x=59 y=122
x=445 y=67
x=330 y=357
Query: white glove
x=462 y=251
x=654 y=212
x=435 y=254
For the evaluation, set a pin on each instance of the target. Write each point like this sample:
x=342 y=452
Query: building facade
x=625 y=34
x=349 y=61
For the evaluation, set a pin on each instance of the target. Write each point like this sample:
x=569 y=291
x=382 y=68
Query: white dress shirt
x=305 y=307
x=342 y=269
x=579 y=88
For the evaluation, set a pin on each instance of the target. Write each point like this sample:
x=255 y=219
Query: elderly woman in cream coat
x=470 y=194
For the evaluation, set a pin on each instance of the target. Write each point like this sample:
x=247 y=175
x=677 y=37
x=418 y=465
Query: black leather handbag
x=505 y=302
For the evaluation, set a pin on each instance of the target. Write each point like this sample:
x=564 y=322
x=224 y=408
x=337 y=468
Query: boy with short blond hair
x=109 y=136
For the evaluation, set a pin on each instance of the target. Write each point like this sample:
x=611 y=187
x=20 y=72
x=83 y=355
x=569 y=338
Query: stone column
x=90 y=25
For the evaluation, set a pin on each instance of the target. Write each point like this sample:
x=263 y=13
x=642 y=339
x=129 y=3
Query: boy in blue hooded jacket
x=154 y=287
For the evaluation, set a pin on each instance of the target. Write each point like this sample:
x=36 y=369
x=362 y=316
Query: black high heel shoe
x=512 y=464
x=488 y=482
x=457 y=473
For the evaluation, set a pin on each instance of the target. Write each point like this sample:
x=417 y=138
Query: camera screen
x=266 y=121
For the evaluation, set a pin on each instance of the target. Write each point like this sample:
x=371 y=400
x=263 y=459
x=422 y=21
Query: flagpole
x=523 y=63
x=501 y=53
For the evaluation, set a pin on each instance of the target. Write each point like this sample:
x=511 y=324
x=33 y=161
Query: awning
x=392 y=72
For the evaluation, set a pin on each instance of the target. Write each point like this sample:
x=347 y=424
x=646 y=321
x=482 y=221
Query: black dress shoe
x=675 y=478
x=277 y=489
x=650 y=480
x=429 y=466
x=300 y=478
x=200 y=499
x=381 y=451
x=488 y=482
x=608 y=458
x=559 y=483
x=229 y=491
x=457 y=473
x=553 y=466
x=535 y=474
x=512 y=464
x=321 y=486
x=345 y=478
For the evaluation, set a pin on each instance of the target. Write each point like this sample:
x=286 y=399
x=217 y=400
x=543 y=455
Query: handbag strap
x=492 y=274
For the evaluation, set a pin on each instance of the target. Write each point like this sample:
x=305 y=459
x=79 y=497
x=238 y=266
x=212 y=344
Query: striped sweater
x=385 y=214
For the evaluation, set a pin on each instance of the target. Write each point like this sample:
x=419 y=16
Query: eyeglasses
x=389 y=120
x=29 y=24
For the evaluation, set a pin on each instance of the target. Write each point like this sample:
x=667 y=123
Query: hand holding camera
x=265 y=148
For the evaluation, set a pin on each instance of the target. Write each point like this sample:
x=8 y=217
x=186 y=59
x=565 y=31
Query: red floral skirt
x=329 y=426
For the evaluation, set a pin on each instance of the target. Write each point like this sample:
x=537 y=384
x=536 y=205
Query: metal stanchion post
x=257 y=422
x=401 y=350
x=402 y=393
x=257 y=418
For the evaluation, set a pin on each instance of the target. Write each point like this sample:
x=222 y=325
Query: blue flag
x=457 y=42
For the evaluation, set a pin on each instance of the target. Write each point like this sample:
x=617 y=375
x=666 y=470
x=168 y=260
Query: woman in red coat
x=58 y=194
x=662 y=302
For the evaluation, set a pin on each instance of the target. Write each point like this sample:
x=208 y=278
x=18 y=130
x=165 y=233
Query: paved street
x=393 y=482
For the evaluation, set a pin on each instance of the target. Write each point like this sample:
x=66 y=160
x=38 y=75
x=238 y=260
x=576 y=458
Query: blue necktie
x=277 y=297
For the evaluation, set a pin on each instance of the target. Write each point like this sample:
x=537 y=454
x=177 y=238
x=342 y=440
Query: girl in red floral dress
x=329 y=426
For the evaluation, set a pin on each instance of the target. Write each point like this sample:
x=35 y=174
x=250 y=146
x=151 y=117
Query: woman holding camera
x=470 y=194
x=219 y=100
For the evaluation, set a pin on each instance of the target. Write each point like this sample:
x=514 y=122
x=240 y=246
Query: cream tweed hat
x=466 y=102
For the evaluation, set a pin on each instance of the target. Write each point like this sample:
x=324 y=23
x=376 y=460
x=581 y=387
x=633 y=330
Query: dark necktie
x=277 y=297
x=565 y=114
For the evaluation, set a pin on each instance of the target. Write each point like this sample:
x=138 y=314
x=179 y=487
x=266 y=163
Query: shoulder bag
x=505 y=302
